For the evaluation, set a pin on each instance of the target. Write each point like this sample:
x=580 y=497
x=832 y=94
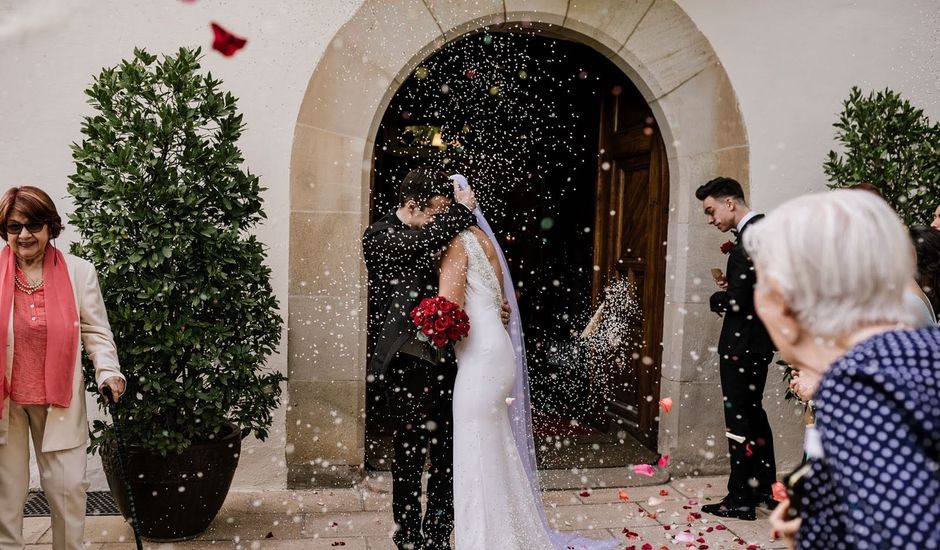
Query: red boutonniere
x=726 y=247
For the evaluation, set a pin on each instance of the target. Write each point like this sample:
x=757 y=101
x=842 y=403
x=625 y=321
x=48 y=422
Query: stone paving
x=658 y=516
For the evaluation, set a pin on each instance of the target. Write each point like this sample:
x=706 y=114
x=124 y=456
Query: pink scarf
x=61 y=325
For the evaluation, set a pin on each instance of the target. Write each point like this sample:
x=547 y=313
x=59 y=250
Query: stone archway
x=671 y=62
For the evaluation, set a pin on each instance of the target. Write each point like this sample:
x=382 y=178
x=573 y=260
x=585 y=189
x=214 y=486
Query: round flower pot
x=176 y=496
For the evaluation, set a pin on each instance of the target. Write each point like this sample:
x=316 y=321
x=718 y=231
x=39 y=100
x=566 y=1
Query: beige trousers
x=62 y=477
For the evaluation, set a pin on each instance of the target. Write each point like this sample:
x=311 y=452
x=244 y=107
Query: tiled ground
x=360 y=519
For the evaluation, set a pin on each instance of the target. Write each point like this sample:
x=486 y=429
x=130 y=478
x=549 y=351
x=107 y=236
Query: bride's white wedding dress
x=493 y=499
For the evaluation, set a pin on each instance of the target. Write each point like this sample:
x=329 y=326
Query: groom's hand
x=504 y=312
x=465 y=196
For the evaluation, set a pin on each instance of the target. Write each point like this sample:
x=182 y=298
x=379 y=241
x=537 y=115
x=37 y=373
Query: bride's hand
x=504 y=312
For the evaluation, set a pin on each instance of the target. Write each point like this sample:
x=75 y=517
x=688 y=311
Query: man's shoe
x=767 y=501
x=731 y=509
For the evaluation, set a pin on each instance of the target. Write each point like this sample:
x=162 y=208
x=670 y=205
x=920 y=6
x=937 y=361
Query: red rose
x=442 y=324
x=454 y=333
x=726 y=247
x=428 y=331
x=439 y=339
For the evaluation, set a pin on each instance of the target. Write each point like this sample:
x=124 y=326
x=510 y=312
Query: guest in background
x=832 y=268
x=935 y=223
x=927 y=249
x=50 y=305
x=745 y=351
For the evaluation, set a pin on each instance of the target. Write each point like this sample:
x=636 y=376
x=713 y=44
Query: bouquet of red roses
x=440 y=322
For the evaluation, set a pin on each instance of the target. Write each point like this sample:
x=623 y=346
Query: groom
x=745 y=350
x=400 y=253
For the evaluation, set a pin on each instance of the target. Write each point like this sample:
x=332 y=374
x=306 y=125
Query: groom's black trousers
x=753 y=468
x=420 y=400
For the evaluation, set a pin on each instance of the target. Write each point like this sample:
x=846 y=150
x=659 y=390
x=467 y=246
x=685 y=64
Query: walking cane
x=119 y=441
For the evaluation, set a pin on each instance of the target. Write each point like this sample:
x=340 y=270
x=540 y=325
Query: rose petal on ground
x=666 y=403
x=663 y=461
x=779 y=491
x=643 y=470
x=623 y=496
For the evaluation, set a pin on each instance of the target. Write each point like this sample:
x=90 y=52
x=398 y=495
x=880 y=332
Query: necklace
x=29 y=287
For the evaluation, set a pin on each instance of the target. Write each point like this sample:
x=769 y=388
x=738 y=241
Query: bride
x=497 y=499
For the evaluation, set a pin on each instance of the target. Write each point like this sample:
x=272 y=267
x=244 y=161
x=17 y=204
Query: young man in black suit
x=400 y=253
x=745 y=351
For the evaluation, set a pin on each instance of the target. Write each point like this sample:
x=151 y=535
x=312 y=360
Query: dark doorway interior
x=521 y=116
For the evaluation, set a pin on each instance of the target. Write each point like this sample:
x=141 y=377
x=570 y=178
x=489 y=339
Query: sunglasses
x=15 y=228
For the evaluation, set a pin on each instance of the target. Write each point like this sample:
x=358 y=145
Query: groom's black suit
x=402 y=271
x=745 y=350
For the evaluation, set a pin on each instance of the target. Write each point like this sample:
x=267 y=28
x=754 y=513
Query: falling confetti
x=225 y=42
x=666 y=403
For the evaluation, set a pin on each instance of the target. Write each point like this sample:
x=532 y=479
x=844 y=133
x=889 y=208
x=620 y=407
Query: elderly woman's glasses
x=15 y=228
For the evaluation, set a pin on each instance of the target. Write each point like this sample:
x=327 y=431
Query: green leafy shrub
x=164 y=211
x=890 y=144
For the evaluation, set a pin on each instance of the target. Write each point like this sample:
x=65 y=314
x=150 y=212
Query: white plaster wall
x=49 y=51
x=791 y=64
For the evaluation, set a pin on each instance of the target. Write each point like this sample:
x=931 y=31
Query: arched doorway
x=569 y=165
x=695 y=110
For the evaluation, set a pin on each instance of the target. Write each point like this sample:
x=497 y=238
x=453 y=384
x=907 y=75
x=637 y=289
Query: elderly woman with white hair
x=832 y=268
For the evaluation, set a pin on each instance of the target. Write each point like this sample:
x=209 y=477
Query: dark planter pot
x=176 y=496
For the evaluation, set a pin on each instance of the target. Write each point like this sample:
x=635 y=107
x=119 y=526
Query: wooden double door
x=630 y=242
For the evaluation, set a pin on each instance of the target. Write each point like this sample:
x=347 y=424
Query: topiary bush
x=892 y=145
x=164 y=211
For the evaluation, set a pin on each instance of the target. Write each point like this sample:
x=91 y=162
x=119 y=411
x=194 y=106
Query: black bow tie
x=734 y=232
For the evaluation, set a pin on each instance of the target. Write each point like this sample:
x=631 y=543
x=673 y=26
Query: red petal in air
x=225 y=42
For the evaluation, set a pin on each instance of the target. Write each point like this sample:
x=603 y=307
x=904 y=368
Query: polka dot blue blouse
x=877 y=485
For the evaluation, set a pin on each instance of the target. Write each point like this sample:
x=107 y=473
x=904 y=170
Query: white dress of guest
x=923 y=312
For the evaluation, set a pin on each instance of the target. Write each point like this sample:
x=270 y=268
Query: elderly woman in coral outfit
x=50 y=305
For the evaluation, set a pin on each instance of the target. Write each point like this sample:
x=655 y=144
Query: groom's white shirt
x=747 y=217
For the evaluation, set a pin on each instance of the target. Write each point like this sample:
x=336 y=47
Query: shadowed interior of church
x=565 y=158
